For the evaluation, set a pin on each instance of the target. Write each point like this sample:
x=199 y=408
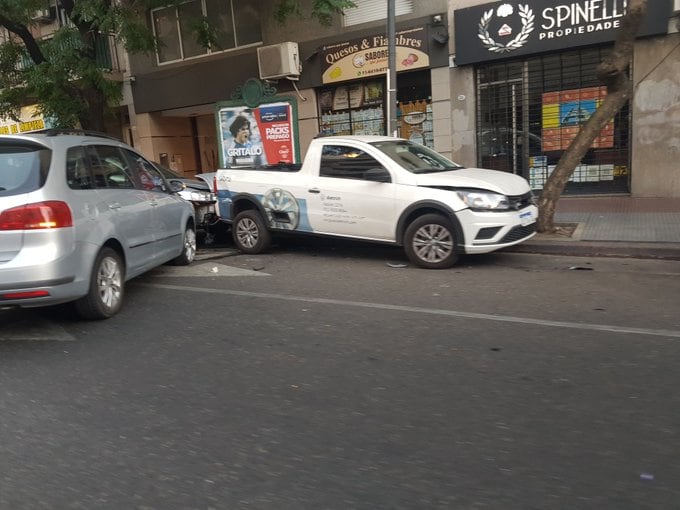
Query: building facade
x=524 y=75
x=500 y=85
x=176 y=93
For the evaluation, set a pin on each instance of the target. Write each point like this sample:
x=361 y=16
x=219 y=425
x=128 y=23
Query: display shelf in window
x=355 y=109
x=416 y=122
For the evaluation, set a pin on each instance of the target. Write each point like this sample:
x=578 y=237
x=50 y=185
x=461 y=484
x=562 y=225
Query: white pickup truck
x=380 y=189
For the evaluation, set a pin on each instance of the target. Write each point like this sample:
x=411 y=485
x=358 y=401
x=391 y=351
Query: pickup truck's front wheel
x=429 y=242
x=250 y=233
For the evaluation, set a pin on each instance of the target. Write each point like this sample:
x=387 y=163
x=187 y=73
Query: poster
x=565 y=111
x=256 y=136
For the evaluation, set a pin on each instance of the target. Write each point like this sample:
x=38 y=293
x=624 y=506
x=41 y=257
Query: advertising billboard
x=368 y=56
x=259 y=136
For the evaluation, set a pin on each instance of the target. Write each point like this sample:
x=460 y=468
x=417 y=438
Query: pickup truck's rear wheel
x=429 y=242
x=250 y=233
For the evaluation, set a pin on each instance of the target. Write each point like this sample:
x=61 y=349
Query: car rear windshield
x=23 y=167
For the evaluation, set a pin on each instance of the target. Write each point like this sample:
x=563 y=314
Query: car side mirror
x=175 y=185
x=377 y=175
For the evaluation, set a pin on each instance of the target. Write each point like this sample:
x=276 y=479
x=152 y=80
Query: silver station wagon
x=81 y=214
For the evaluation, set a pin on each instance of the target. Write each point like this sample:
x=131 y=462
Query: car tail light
x=40 y=215
x=25 y=295
x=215 y=183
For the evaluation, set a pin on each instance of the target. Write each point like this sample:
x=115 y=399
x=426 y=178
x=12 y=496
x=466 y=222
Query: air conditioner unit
x=279 y=61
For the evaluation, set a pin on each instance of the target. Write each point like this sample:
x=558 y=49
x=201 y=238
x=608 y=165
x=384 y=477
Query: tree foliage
x=61 y=74
x=613 y=73
x=323 y=10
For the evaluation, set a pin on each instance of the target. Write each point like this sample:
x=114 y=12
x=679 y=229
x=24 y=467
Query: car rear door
x=132 y=218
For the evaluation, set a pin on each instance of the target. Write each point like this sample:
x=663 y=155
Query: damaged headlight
x=484 y=200
x=201 y=196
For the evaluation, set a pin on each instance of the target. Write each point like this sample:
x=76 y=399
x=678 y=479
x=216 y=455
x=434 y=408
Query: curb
x=636 y=250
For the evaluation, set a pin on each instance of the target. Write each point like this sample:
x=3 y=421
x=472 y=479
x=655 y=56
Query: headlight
x=484 y=200
x=200 y=196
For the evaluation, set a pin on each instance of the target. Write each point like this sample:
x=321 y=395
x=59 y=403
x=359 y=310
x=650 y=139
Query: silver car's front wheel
x=188 y=248
x=430 y=242
x=105 y=296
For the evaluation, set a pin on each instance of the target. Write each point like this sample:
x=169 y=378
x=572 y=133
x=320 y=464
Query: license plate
x=526 y=218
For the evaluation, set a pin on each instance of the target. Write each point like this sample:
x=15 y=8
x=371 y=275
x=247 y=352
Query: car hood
x=193 y=184
x=479 y=178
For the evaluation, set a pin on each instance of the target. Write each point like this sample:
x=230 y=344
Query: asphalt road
x=317 y=377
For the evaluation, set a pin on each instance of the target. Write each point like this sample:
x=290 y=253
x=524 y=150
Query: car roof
x=65 y=137
x=360 y=138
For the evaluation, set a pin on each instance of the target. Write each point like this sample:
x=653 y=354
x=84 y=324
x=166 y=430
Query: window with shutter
x=372 y=10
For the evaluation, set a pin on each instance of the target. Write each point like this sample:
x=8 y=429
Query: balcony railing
x=107 y=56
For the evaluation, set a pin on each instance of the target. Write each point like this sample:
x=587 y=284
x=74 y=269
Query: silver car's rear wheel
x=105 y=296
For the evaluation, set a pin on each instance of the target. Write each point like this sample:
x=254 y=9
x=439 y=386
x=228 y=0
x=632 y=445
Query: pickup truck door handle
x=314 y=190
x=115 y=205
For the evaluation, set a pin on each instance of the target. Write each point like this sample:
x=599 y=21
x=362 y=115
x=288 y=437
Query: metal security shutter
x=372 y=10
x=529 y=111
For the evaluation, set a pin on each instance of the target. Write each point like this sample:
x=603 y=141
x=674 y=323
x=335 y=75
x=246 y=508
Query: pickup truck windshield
x=415 y=158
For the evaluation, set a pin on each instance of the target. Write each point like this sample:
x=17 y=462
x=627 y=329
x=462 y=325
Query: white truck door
x=353 y=195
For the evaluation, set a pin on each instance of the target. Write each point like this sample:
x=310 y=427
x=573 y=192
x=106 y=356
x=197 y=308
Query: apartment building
x=331 y=79
x=501 y=85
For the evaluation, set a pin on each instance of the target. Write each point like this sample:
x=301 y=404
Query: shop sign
x=256 y=136
x=368 y=56
x=29 y=120
x=512 y=29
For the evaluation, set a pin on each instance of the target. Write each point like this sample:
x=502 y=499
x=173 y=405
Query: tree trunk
x=94 y=118
x=613 y=72
x=557 y=181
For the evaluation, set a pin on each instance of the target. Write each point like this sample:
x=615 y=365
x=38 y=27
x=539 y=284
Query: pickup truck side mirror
x=377 y=175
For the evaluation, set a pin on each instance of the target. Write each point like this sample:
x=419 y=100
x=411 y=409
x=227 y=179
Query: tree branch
x=619 y=59
x=613 y=73
x=27 y=38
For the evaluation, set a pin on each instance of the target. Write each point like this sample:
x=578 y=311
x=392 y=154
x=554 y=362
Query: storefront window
x=359 y=108
x=529 y=112
x=414 y=108
x=355 y=109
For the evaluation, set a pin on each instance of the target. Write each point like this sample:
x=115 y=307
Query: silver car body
x=53 y=263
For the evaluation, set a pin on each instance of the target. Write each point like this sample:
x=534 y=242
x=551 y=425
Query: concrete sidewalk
x=613 y=226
